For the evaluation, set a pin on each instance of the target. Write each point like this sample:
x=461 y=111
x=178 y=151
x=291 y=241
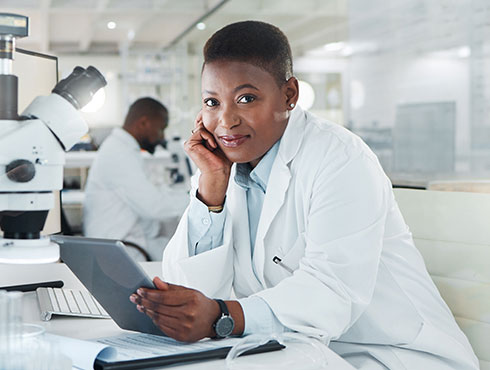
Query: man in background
x=120 y=201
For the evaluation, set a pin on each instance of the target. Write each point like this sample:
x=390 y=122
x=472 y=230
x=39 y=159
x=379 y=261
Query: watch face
x=224 y=326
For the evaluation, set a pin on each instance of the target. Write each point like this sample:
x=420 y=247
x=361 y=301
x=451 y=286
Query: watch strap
x=223 y=307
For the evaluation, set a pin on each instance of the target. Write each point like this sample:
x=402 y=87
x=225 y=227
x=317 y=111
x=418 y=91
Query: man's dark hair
x=258 y=43
x=144 y=107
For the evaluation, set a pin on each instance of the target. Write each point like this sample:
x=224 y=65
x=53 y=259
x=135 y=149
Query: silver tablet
x=109 y=273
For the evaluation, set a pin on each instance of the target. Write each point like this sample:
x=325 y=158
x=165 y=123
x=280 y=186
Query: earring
x=291 y=105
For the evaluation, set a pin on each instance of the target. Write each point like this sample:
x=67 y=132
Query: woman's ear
x=291 y=90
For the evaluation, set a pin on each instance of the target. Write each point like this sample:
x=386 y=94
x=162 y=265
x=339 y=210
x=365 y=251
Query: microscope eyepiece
x=80 y=86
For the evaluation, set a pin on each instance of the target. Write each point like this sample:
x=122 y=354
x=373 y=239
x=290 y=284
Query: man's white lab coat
x=122 y=203
x=329 y=213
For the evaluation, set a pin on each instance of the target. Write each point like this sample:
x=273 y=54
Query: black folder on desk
x=148 y=363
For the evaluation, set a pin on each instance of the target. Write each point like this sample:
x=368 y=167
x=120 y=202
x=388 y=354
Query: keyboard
x=69 y=302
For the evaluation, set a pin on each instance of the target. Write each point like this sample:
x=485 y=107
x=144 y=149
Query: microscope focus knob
x=20 y=170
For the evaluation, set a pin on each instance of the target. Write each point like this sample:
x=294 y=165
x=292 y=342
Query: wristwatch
x=225 y=323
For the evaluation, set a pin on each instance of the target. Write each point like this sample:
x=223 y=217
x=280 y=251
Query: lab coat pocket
x=290 y=258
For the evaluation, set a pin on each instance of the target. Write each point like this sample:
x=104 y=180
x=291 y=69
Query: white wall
x=389 y=81
x=313 y=69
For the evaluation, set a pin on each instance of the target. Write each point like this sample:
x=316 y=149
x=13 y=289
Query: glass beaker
x=23 y=346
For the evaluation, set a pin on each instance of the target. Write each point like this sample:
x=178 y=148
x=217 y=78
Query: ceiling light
x=347 y=51
x=201 y=26
x=111 y=25
x=334 y=46
x=459 y=52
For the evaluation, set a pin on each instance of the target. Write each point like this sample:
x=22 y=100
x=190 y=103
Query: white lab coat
x=329 y=213
x=121 y=202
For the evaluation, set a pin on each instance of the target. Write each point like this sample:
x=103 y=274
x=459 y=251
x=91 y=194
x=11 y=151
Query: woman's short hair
x=258 y=43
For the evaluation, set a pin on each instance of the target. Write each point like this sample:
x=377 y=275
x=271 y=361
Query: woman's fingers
x=185 y=311
x=166 y=324
x=198 y=119
x=177 y=324
x=173 y=295
x=174 y=328
x=182 y=313
x=160 y=284
x=203 y=149
x=200 y=135
x=156 y=305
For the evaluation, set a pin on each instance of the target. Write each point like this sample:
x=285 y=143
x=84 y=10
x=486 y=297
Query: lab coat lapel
x=277 y=186
x=237 y=204
x=279 y=181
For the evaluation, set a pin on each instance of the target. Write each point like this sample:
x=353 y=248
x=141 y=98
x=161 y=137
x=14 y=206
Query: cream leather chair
x=452 y=232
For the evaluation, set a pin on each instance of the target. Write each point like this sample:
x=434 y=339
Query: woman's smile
x=233 y=141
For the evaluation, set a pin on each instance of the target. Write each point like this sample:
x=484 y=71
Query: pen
x=278 y=261
x=33 y=286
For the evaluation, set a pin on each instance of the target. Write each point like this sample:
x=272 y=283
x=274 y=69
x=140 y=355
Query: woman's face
x=244 y=108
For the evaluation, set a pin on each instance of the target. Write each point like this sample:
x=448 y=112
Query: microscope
x=32 y=147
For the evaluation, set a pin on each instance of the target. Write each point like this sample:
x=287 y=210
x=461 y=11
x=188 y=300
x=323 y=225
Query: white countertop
x=83 y=328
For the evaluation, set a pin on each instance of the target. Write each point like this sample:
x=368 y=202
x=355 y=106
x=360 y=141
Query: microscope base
x=28 y=251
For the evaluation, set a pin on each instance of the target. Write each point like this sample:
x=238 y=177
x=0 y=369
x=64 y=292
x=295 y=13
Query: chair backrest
x=138 y=252
x=452 y=232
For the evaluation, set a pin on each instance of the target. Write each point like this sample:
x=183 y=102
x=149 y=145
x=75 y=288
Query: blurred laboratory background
x=411 y=77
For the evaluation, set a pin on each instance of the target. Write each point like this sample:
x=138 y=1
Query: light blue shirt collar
x=245 y=177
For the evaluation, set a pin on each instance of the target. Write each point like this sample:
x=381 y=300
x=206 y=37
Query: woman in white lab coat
x=299 y=220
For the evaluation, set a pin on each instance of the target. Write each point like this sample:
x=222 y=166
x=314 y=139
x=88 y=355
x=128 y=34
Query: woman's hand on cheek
x=215 y=167
x=184 y=314
x=203 y=149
